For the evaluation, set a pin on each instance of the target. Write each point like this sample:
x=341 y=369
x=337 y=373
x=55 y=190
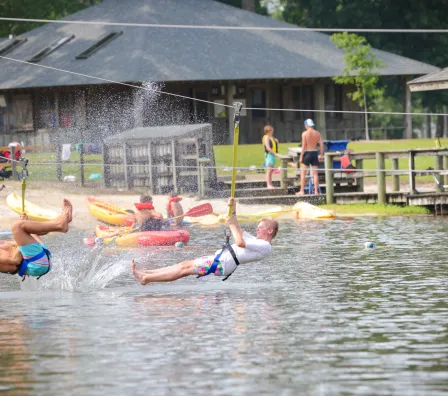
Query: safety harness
x=227 y=246
x=25 y=263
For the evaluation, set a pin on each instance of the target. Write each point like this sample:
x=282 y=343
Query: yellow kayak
x=242 y=218
x=305 y=210
x=34 y=212
x=109 y=213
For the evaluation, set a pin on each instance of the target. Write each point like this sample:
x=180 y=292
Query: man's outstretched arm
x=232 y=222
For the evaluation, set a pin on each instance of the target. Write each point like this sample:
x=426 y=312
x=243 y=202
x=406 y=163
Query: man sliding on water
x=28 y=255
x=246 y=249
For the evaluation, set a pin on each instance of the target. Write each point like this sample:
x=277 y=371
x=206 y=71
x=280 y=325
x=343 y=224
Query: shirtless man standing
x=309 y=155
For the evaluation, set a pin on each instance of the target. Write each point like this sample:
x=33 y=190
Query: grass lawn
x=379 y=210
x=48 y=172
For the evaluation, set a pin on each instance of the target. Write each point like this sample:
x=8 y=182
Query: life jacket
x=169 y=208
x=346 y=164
x=24 y=265
x=272 y=144
x=144 y=205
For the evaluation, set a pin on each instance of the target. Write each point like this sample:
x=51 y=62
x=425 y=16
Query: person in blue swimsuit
x=27 y=254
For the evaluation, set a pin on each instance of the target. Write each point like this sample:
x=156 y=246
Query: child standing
x=270 y=145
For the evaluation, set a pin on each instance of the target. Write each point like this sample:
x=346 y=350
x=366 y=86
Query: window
x=52 y=47
x=303 y=99
x=11 y=44
x=259 y=101
x=66 y=109
x=333 y=100
x=99 y=44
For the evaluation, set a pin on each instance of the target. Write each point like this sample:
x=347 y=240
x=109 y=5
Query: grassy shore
x=377 y=210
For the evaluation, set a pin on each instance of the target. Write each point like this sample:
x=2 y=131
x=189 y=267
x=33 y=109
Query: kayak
x=34 y=212
x=109 y=213
x=305 y=210
x=141 y=238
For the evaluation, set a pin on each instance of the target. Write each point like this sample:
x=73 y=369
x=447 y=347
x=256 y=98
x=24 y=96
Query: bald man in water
x=309 y=156
x=27 y=255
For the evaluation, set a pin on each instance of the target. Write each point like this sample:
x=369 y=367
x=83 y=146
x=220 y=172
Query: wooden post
x=59 y=162
x=407 y=109
x=438 y=165
x=381 y=178
x=81 y=163
x=445 y=167
x=396 y=178
x=359 y=164
x=412 y=189
x=150 y=183
x=106 y=167
x=329 y=181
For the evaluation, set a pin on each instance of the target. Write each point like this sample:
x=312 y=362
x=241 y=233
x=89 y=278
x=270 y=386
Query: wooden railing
x=440 y=169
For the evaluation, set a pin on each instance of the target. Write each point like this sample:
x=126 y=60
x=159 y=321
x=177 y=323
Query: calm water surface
x=322 y=316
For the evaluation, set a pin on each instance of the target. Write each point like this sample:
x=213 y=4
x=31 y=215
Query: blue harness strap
x=25 y=262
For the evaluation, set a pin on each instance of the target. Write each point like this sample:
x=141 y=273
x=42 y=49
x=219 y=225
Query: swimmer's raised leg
x=23 y=229
x=167 y=274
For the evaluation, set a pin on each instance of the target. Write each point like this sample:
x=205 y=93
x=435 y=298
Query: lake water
x=322 y=316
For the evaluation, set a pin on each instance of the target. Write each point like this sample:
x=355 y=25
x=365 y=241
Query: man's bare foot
x=138 y=274
x=68 y=210
x=300 y=193
x=272 y=187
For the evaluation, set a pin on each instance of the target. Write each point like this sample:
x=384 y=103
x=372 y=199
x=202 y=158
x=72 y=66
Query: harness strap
x=232 y=252
x=25 y=263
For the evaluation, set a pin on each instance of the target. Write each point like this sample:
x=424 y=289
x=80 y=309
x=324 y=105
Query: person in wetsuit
x=146 y=217
x=309 y=156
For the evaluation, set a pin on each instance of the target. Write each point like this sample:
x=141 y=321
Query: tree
x=360 y=69
x=36 y=9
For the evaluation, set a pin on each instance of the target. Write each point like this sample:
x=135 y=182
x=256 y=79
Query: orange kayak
x=109 y=213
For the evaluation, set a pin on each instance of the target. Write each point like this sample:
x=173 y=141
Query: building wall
x=89 y=114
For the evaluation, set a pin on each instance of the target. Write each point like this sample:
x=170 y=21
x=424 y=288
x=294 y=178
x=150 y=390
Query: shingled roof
x=430 y=82
x=159 y=54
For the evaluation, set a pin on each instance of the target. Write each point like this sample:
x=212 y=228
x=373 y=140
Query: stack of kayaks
x=34 y=212
x=115 y=216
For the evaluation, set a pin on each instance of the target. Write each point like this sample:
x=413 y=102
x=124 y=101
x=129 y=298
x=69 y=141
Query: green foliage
x=376 y=14
x=360 y=66
x=36 y=9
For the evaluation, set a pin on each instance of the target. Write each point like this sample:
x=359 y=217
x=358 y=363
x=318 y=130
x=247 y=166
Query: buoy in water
x=369 y=245
x=179 y=245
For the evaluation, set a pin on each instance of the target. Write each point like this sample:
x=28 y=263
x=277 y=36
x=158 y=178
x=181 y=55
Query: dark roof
x=159 y=132
x=432 y=81
x=159 y=54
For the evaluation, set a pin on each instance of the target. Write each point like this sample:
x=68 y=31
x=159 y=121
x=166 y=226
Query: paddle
x=197 y=211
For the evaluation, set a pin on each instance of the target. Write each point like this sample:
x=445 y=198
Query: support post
x=125 y=164
x=81 y=163
x=359 y=164
x=15 y=175
x=445 y=167
x=381 y=178
x=319 y=103
x=408 y=110
x=59 y=162
x=438 y=165
x=412 y=189
x=329 y=181
x=396 y=178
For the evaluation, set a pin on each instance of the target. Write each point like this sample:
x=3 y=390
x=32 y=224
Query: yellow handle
x=236 y=136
